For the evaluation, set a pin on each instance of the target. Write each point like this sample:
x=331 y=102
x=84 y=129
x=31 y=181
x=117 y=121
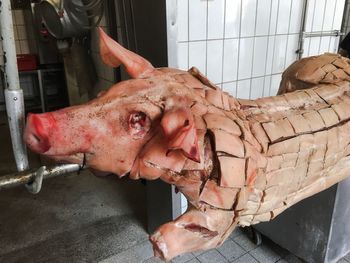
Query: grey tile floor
x=236 y=249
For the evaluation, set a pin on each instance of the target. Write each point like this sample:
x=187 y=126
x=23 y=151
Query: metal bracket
x=35 y=186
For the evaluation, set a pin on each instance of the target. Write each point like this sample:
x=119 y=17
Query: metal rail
x=33 y=178
x=13 y=93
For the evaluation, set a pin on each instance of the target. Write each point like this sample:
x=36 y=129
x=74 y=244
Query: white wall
x=244 y=45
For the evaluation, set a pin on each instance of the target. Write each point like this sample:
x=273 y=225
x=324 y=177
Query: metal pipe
x=300 y=50
x=335 y=33
x=13 y=93
x=28 y=177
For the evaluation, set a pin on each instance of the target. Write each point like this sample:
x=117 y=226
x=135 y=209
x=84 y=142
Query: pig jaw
x=195 y=230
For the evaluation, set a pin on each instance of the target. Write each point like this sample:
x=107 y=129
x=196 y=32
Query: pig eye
x=139 y=124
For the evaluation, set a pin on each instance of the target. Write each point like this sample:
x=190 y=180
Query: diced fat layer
x=199 y=109
x=314 y=120
x=328 y=92
x=274 y=163
x=299 y=123
x=343 y=110
x=291 y=145
x=260 y=134
x=278 y=130
x=228 y=143
x=232 y=171
x=329 y=116
x=199 y=123
x=214 y=97
x=215 y=121
x=242 y=198
x=220 y=197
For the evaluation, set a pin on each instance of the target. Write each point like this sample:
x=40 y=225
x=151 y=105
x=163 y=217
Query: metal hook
x=35 y=186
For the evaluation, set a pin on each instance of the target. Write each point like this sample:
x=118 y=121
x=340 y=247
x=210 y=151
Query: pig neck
x=304 y=139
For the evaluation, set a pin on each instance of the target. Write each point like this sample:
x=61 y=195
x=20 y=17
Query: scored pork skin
x=238 y=162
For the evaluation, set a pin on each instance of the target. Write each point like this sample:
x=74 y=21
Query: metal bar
x=25 y=177
x=334 y=33
x=300 y=50
x=13 y=93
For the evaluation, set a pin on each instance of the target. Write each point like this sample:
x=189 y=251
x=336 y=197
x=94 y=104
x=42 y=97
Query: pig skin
x=238 y=162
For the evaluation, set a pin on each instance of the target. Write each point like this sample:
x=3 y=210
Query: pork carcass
x=237 y=161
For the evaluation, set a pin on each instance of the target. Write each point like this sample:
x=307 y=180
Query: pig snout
x=37 y=131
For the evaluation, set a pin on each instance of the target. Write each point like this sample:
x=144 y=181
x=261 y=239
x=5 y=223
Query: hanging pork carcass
x=238 y=162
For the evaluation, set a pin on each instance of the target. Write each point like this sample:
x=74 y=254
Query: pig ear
x=179 y=128
x=114 y=54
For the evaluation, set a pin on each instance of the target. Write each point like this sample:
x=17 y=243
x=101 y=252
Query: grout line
x=267 y=48
x=188 y=33
x=236 y=38
x=223 y=46
x=206 y=42
x=290 y=16
x=239 y=43
x=312 y=25
x=274 y=43
x=253 y=51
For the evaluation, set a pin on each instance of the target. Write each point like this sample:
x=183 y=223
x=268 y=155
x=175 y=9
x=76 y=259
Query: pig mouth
x=77 y=158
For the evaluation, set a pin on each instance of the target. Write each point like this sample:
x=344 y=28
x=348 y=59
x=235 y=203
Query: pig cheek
x=112 y=155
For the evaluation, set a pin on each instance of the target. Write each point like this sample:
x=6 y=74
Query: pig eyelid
x=139 y=124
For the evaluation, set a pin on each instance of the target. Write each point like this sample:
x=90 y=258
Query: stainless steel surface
x=317 y=229
x=339 y=241
x=13 y=93
x=15 y=113
x=69 y=21
x=28 y=177
x=300 y=50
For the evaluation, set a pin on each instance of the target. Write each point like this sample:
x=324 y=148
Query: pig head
x=144 y=127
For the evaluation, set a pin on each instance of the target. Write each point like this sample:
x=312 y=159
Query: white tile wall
x=257 y=88
x=296 y=16
x=248 y=18
x=230 y=60
x=260 y=49
x=214 y=60
x=232 y=19
x=183 y=56
x=245 y=58
x=182 y=21
x=22 y=38
x=197 y=55
x=279 y=55
x=284 y=11
x=216 y=18
x=245 y=45
x=262 y=21
x=198 y=19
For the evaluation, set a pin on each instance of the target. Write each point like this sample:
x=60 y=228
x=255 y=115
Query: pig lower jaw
x=78 y=158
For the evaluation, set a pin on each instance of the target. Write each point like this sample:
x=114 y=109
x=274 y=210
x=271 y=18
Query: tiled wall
x=24 y=37
x=323 y=15
x=244 y=45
